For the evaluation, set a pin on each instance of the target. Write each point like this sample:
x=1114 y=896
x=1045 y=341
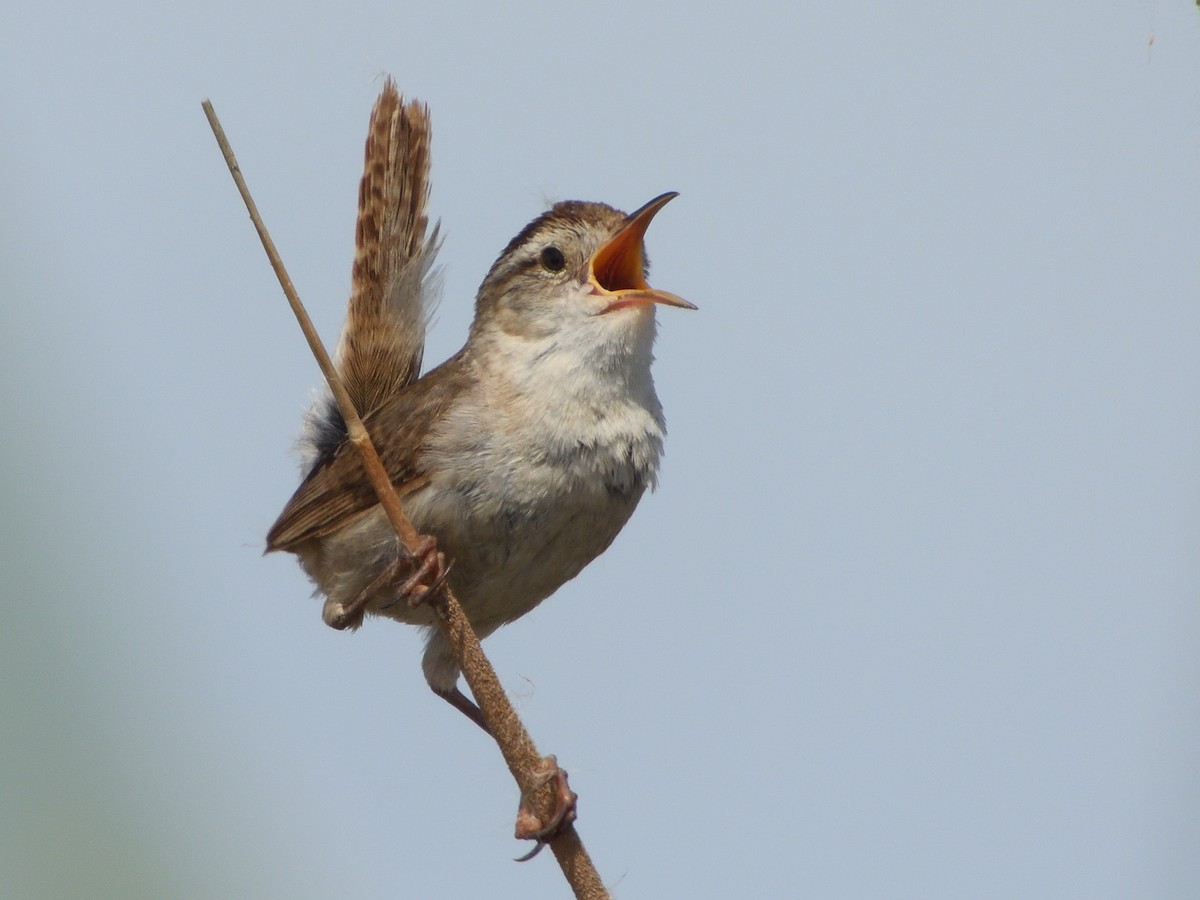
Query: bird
x=518 y=459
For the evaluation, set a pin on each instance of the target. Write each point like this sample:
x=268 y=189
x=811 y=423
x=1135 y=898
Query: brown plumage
x=337 y=489
x=384 y=338
x=522 y=455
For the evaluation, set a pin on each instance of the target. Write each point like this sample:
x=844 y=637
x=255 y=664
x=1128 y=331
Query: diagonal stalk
x=517 y=747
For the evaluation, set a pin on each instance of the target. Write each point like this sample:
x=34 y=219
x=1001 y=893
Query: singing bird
x=523 y=455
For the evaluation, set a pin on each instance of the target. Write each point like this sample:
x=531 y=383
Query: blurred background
x=915 y=610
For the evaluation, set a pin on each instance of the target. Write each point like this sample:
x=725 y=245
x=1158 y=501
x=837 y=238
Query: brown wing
x=392 y=290
x=337 y=489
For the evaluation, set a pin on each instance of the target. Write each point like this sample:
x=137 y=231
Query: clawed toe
x=531 y=828
x=413 y=588
x=429 y=576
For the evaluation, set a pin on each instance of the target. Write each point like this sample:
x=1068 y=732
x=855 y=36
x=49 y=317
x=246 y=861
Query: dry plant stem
x=518 y=749
x=354 y=426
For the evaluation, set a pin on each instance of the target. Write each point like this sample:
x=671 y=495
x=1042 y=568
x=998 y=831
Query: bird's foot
x=430 y=573
x=532 y=828
x=423 y=571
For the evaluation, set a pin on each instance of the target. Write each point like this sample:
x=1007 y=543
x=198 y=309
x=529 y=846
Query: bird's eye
x=553 y=259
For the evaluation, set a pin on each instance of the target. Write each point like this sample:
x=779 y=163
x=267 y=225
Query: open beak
x=617 y=270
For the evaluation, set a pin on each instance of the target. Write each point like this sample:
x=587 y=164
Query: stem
x=517 y=747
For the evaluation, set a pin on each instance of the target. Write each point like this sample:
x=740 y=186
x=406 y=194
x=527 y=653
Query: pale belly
x=510 y=547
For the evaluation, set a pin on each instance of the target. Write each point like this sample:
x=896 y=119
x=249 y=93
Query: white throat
x=587 y=402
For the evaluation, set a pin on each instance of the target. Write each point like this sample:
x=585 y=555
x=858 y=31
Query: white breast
x=536 y=473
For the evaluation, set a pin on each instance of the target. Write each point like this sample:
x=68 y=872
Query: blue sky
x=914 y=612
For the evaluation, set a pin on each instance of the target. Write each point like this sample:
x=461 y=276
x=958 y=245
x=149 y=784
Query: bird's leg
x=530 y=827
x=415 y=567
x=464 y=705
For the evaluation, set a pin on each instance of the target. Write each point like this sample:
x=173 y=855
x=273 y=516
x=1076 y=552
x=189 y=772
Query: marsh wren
x=523 y=455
